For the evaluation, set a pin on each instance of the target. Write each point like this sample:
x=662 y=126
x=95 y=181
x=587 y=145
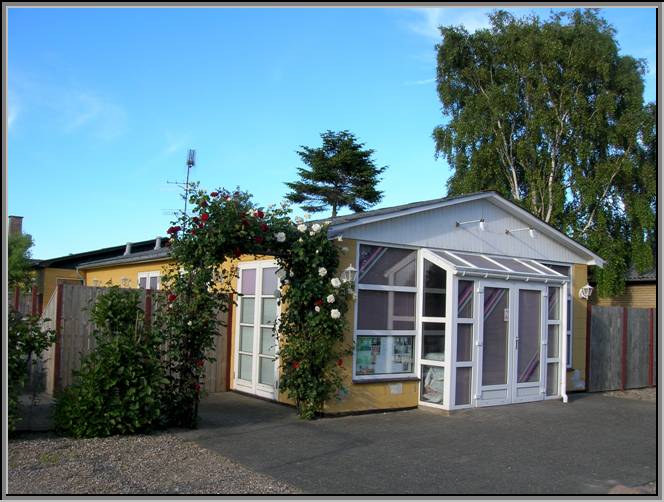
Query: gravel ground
x=147 y=464
x=646 y=394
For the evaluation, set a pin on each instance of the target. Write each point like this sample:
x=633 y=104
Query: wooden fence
x=621 y=347
x=68 y=311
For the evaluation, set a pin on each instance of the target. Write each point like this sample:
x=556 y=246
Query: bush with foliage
x=26 y=344
x=223 y=227
x=118 y=389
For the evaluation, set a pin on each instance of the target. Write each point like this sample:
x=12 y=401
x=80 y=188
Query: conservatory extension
x=474 y=328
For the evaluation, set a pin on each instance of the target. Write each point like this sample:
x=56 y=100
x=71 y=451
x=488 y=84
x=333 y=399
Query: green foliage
x=118 y=389
x=551 y=116
x=225 y=226
x=340 y=174
x=26 y=344
x=19 y=269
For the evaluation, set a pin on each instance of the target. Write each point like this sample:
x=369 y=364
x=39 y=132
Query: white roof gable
x=433 y=225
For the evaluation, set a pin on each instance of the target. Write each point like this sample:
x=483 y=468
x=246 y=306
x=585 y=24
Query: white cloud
x=428 y=19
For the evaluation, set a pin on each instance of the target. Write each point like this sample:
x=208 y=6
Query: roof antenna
x=191 y=162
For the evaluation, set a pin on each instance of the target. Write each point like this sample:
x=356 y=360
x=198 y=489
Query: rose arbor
x=205 y=248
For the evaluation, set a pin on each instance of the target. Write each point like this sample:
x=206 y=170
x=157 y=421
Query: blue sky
x=104 y=103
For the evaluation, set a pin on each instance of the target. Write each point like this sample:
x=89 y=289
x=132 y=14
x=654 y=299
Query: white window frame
x=148 y=276
x=569 y=321
x=386 y=333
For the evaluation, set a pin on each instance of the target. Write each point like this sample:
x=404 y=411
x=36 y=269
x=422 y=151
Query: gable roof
x=341 y=223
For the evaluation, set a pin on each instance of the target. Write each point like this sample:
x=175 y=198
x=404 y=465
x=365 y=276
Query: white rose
x=335 y=314
x=302 y=227
x=291 y=273
x=315 y=227
x=335 y=282
x=189 y=323
x=285 y=281
x=322 y=271
x=317 y=308
x=251 y=212
x=312 y=232
x=298 y=220
x=280 y=236
x=330 y=298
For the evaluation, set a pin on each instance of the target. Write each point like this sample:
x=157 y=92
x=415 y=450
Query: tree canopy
x=340 y=173
x=551 y=115
x=19 y=267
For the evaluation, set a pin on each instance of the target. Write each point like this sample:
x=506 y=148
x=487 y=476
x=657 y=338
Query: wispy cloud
x=13 y=108
x=426 y=81
x=426 y=20
x=66 y=109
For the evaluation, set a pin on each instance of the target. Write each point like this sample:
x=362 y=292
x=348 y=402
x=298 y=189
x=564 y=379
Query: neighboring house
x=462 y=301
x=640 y=292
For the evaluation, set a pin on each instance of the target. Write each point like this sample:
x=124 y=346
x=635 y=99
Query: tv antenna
x=191 y=162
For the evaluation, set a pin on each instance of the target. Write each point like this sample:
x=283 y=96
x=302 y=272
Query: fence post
x=17 y=298
x=229 y=335
x=33 y=306
x=57 y=380
x=148 y=308
x=623 y=360
x=589 y=312
x=651 y=348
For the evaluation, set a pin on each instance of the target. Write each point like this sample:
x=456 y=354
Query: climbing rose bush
x=200 y=285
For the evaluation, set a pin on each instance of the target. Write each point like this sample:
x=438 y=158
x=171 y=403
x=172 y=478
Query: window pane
x=514 y=265
x=494 y=347
x=269 y=310
x=464 y=342
x=478 y=261
x=432 y=387
x=552 y=379
x=434 y=304
x=433 y=341
x=554 y=304
x=244 y=370
x=248 y=281
x=528 y=361
x=387 y=266
x=569 y=314
x=266 y=371
x=247 y=310
x=154 y=280
x=434 y=276
x=142 y=282
x=270 y=281
x=434 y=290
x=374 y=312
x=268 y=341
x=465 y=297
x=561 y=269
x=552 y=342
x=463 y=381
x=379 y=355
x=246 y=338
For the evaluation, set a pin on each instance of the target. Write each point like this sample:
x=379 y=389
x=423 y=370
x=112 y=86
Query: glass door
x=528 y=344
x=255 y=340
x=433 y=319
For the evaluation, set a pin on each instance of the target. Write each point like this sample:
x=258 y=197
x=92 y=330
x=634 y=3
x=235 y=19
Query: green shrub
x=119 y=385
x=26 y=344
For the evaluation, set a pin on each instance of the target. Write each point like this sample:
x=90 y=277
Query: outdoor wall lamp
x=586 y=291
x=531 y=231
x=481 y=222
x=349 y=274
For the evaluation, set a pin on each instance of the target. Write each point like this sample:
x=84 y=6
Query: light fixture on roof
x=586 y=291
x=531 y=231
x=480 y=221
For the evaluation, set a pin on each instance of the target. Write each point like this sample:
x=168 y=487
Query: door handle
x=516 y=343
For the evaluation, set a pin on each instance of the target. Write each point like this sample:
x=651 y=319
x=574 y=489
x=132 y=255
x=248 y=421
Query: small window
x=149 y=280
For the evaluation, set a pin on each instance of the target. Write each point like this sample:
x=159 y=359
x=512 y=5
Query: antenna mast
x=191 y=162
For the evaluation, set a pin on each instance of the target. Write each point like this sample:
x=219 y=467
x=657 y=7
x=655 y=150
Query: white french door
x=510 y=343
x=255 y=339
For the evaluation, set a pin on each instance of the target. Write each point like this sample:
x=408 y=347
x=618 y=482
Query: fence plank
x=638 y=349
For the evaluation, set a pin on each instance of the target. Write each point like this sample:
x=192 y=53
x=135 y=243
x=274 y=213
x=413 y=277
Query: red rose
x=203 y=203
x=214 y=194
x=264 y=227
x=228 y=197
x=258 y=239
x=177 y=228
x=172 y=297
x=173 y=230
x=340 y=362
x=259 y=214
x=318 y=302
x=295 y=365
x=200 y=225
x=245 y=223
x=205 y=216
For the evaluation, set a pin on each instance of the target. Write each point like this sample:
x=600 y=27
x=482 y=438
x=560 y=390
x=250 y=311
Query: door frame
x=254 y=387
x=511 y=386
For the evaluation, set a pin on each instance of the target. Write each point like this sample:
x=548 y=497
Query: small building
x=640 y=292
x=460 y=302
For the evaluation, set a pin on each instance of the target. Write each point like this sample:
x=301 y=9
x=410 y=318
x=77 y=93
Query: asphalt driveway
x=593 y=444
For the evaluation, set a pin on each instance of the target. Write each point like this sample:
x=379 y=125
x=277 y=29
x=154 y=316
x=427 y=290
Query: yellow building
x=640 y=292
x=460 y=302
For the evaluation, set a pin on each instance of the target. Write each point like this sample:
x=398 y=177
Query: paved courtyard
x=593 y=444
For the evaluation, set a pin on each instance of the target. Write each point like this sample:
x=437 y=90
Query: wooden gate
x=621 y=348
